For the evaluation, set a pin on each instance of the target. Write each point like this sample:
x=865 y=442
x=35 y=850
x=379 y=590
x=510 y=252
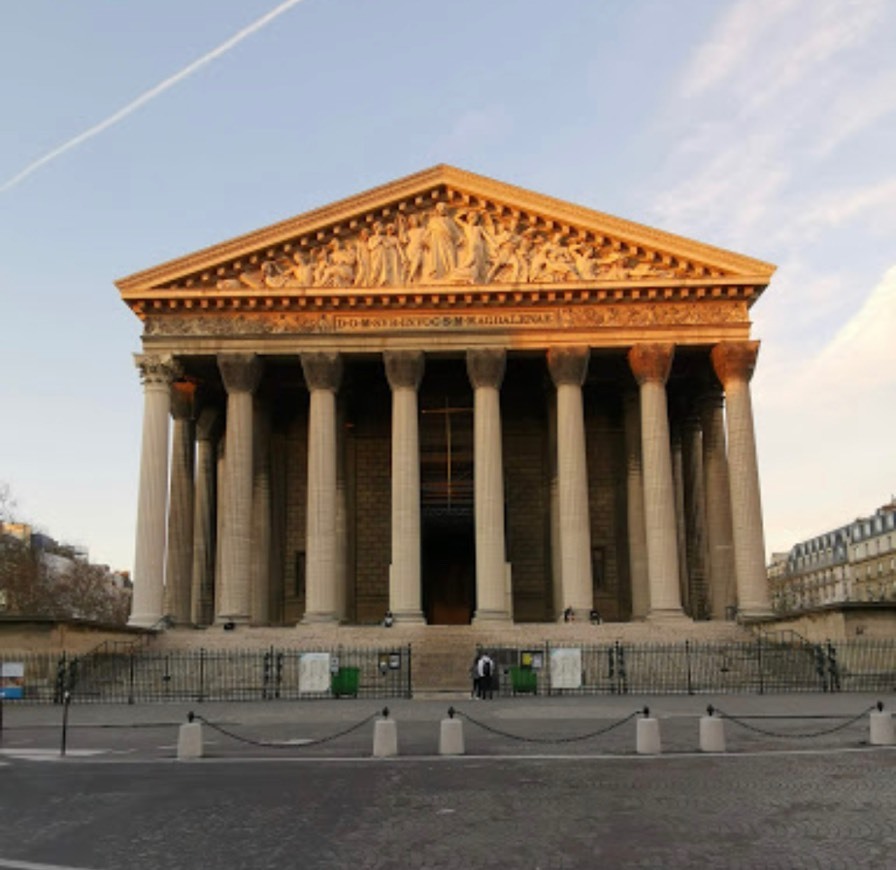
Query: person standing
x=485 y=670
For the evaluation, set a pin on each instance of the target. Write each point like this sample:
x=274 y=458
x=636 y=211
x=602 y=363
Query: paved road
x=788 y=802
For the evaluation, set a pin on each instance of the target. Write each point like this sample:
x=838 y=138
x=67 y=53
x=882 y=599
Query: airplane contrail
x=151 y=94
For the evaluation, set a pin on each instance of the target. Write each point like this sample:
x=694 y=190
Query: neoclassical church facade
x=453 y=400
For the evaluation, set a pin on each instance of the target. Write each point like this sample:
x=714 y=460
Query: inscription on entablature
x=572 y=317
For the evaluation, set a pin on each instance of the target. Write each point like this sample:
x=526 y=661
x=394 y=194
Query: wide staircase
x=441 y=655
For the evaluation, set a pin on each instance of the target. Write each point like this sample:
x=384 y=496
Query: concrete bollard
x=451 y=735
x=881 y=727
x=712 y=733
x=648 y=735
x=189 y=740
x=385 y=737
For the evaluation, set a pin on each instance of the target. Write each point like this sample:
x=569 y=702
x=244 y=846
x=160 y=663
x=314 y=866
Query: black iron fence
x=763 y=666
x=110 y=676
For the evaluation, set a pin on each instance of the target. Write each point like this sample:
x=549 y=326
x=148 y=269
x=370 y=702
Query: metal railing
x=762 y=666
x=215 y=675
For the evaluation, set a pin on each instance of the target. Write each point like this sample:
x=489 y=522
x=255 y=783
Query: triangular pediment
x=445 y=228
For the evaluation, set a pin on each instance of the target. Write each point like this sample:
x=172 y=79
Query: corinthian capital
x=404 y=368
x=323 y=371
x=485 y=368
x=182 y=395
x=568 y=365
x=240 y=372
x=651 y=362
x=734 y=360
x=157 y=370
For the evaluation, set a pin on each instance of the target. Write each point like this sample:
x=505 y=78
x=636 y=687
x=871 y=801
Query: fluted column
x=486 y=371
x=637 y=533
x=203 y=568
x=695 y=514
x=180 y=505
x=323 y=372
x=733 y=363
x=568 y=367
x=651 y=364
x=241 y=373
x=157 y=373
x=404 y=369
x=260 y=569
x=722 y=582
x=680 y=531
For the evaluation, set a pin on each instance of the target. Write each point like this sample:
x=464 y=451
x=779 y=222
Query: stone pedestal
x=712 y=734
x=647 y=741
x=881 y=728
x=189 y=741
x=385 y=738
x=451 y=737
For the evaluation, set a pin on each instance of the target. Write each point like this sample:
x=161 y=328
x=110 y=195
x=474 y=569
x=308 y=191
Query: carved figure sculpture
x=442 y=237
x=473 y=262
x=412 y=236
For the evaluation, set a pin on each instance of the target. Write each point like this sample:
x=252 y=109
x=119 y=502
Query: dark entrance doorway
x=449 y=585
x=446 y=492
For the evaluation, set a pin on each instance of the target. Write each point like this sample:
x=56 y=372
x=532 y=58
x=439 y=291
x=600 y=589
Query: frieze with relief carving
x=447 y=244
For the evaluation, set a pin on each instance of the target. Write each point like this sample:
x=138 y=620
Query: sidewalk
x=500 y=727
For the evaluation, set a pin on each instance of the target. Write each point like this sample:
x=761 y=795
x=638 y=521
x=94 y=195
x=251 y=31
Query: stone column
x=157 y=374
x=204 y=521
x=733 y=363
x=178 y=574
x=404 y=369
x=554 y=496
x=719 y=534
x=260 y=574
x=637 y=534
x=651 y=364
x=323 y=372
x=568 y=367
x=485 y=369
x=241 y=373
x=695 y=514
x=680 y=531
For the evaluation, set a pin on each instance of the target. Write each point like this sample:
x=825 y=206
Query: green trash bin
x=345 y=682
x=524 y=681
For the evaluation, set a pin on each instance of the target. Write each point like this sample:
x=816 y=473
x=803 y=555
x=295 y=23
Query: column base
x=146 y=620
x=320 y=617
x=667 y=617
x=755 y=614
x=408 y=617
x=491 y=616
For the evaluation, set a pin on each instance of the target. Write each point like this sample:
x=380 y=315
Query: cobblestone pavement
x=789 y=793
x=770 y=811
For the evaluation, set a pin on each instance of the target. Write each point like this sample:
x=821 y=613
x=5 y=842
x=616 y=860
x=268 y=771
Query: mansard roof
x=441 y=229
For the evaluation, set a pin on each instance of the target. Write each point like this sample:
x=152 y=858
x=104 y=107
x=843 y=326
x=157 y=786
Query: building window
x=299 y=580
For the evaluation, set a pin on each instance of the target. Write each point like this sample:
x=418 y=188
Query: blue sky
x=764 y=126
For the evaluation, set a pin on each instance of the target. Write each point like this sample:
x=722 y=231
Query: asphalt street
x=545 y=782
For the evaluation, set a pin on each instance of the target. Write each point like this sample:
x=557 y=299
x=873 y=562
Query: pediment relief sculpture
x=455 y=245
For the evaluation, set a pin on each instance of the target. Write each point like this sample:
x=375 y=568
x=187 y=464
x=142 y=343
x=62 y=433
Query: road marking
x=31 y=865
x=30 y=753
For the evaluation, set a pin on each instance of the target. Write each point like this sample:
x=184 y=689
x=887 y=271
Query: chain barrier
x=279 y=744
x=523 y=739
x=825 y=731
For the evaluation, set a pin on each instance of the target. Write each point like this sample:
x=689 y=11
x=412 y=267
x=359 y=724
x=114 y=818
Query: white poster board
x=314 y=672
x=566 y=668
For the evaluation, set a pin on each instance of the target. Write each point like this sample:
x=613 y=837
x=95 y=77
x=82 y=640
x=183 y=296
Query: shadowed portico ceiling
x=444 y=238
